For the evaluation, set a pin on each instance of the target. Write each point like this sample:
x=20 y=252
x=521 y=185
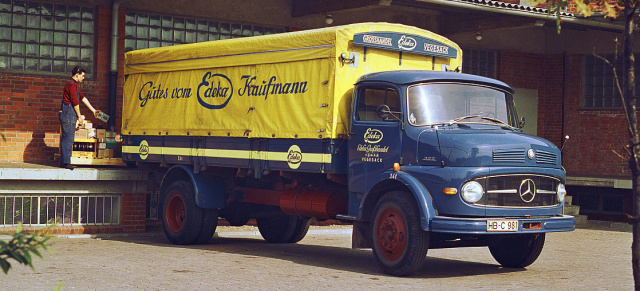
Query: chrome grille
x=509 y=156
x=505 y=191
x=545 y=157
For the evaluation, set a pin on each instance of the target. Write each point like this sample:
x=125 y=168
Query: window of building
x=144 y=30
x=479 y=62
x=601 y=201
x=599 y=87
x=45 y=209
x=46 y=38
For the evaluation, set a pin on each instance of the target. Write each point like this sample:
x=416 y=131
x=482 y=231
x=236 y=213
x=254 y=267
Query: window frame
x=480 y=62
x=149 y=30
x=363 y=96
x=608 y=85
x=61 y=36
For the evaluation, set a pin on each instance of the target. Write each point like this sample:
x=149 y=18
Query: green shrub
x=21 y=246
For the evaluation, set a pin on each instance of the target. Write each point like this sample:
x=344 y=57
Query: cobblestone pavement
x=593 y=259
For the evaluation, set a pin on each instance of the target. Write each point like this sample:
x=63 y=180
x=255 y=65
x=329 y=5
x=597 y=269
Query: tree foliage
x=587 y=8
x=22 y=246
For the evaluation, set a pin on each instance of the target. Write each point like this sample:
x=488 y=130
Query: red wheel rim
x=392 y=234
x=176 y=213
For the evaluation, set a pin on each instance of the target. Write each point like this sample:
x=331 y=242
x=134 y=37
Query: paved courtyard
x=594 y=258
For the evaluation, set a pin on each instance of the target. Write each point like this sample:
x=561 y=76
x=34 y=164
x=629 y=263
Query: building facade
x=562 y=89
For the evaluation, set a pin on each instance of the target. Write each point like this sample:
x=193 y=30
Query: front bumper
x=479 y=225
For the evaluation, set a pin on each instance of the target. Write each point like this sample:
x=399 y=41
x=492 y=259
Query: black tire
x=283 y=229
x=399 y=243
x=209 y=225
x=517 y=251
x=181 y=217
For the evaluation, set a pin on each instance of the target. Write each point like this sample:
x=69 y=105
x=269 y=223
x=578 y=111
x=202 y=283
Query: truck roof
x=328 y=42
x=405 y=77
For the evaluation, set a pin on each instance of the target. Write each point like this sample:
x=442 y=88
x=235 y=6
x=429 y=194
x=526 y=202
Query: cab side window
x=370 y=98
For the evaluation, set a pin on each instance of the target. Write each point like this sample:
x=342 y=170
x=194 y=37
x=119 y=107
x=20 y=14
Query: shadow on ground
x=313 y=253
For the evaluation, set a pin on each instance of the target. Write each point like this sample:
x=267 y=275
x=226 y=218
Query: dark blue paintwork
x=473 y=145
x=404 y=42
x=449 y=155
x=209 y=192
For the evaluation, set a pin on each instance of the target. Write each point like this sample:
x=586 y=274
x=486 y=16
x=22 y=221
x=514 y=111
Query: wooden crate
x=85 y=148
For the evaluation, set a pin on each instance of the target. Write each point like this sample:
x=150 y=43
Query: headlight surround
x=561 y=192
x=472 y=192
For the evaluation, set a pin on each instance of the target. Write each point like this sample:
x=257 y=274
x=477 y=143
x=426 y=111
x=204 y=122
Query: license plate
x=502 y=225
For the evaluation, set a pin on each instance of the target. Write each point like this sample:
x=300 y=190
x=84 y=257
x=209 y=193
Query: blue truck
x=370 y=124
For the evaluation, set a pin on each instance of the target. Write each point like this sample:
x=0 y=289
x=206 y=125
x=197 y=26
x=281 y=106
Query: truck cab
x=445 y=147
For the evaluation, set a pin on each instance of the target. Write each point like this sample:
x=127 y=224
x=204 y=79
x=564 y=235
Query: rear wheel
x=182 y=219
x=283 y=229
x=209 y=225
x=399 y=243
x=517 y=251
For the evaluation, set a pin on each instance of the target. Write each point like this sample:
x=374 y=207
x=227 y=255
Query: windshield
x=458 y=103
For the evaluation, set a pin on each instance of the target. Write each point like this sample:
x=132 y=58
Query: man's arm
x=88 y=104
x=80 y=117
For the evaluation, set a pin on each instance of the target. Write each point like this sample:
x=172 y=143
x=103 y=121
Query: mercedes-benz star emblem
x=527 y=190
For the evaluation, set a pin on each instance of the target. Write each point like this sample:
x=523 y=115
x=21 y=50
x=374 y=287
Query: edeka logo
x=215 y=91
x=407 y=43
x=294 y=157
x=372 y=135
x=144 y=149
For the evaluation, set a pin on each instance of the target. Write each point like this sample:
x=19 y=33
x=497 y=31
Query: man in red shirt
x=70 y=117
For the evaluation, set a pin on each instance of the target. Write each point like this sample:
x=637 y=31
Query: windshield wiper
x=501 y=123
x=462 y=118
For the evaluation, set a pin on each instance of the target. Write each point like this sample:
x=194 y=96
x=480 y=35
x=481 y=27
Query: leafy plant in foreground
x=21 y=246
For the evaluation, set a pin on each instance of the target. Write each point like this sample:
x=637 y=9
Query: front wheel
x=517 y=251
x=283 y=229
x=400 y=244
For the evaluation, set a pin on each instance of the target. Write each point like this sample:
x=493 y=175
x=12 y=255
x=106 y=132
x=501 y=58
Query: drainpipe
x=113 y=69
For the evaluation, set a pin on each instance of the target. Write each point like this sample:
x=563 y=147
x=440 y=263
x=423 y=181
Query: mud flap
x=360 y=237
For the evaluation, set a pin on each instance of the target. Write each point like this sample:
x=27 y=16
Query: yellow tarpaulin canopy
x=290 y=85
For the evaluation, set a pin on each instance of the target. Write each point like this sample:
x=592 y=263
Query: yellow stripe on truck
x=231 y=154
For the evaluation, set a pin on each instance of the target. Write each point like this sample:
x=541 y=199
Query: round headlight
x=472 y=192
x=561 y=193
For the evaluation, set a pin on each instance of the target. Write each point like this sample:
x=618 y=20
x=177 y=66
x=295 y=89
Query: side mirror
x=383 y=111
x=521 y=123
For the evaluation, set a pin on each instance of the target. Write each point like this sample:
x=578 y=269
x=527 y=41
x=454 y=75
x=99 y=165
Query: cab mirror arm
x=384 y=112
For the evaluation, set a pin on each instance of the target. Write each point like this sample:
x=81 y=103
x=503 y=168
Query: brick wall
x=29 y=104
x=597 y=137
x=543 y=73
x=133 y=212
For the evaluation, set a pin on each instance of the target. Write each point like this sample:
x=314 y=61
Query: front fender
x=417 y=189
x=209 y=192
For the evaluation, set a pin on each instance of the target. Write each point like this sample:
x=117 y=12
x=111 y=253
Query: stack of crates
x=93 y=142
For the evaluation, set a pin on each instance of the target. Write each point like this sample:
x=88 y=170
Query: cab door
x=375 y=142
